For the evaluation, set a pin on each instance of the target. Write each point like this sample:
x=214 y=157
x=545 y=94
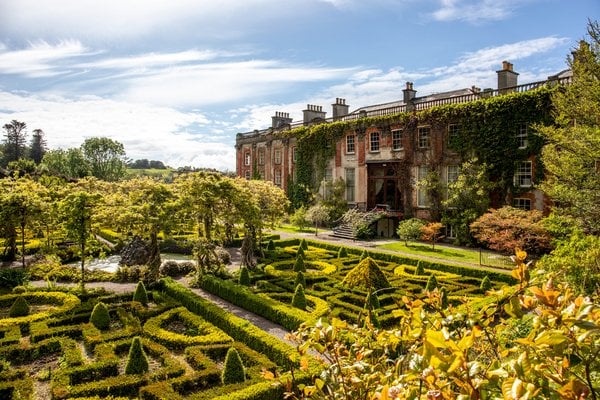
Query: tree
x=299 y=218
x=70 y=163
x=14 y=142
x=233 y=370
x=100 y=317
x=432 y=232
x=571 y=155
x=317 y=214
x=37 y=148
x=137 y=361
x=507 y=228
x=141 y=294
x=299 y=298
x=106 y=158
x=468 y=199
x=334 y=198
x=410 y=229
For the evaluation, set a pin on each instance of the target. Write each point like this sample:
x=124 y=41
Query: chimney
x=312 y=113
x=408 y=96
x=280 y=119
x=507 y=78
x=339 y=108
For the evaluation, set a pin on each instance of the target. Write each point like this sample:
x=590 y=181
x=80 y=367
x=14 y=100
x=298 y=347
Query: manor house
x=382 y=160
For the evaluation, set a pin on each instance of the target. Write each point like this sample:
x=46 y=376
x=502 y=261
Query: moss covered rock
x=137 y=361
x=100 y=318
x=233 y=371
x=19 y=308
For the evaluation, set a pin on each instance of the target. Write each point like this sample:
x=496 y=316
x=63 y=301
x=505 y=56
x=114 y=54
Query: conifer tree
x=137 y=361
x=233 y=371
x=299 y=298
x=100 y=317
x=140 y=293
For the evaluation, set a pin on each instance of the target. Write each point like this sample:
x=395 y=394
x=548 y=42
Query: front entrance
x=383 y=188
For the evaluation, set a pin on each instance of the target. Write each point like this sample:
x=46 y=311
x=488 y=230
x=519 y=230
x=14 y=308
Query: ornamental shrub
x=299 y=299
x=300 y=279
x=20 y=308
x=342 y=252
x=364 y=255
x=431 y=283
x=100 y=318
x=300 y=252
x=299 y=265
x=244 y=278
x=137 y=362
x=373 y=301
x=366 y=274
x=486 y=284
x=270 y=245
x=420 y=270
x=303 y=244
x=444 y=294
x=233 y=372
x=140 y=293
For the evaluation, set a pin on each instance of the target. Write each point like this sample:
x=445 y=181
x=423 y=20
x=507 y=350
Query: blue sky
x=176 y=80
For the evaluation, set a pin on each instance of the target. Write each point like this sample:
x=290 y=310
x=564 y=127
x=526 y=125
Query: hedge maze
x=55 y=352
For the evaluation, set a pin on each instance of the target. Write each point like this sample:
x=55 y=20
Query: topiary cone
x=19 y=308
x=303 y=245
x=431 y=283
x=100 y=317
x=300 y=279
x=299 y=265
x=140 y=293
x=244 y=277
x=233 y=371
x=137 y=362
x=299 y=299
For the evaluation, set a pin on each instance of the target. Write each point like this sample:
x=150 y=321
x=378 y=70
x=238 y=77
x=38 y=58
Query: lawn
x=288 y=228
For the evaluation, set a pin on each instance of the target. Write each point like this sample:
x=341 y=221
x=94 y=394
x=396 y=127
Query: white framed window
x=453 y=132
x=523 y=174
x=350 y=183
x=247 y=174
x=261 y=156
x=277 y=178
x=397 y=140
x=374 y=142
x=350 y=148
x=424 y=137
x=450 y=232
x=247 y=159
x=522 y=136
x=523 y=204
x=452 y=172
x=294 y=154
x=422 y=198
x=277 y=156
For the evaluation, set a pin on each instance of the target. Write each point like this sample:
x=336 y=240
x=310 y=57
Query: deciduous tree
x=105 y=157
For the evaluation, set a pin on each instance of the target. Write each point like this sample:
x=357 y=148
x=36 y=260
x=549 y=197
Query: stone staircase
x=344 y=231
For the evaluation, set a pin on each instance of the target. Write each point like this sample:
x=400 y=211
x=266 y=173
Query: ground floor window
x=523 y=204
x=350 y=183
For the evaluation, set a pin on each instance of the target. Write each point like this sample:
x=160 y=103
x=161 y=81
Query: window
x=247 y=159
x=350 y=144
x=523 y=204
x=523 y=175
x=374 y=141
x=247 y=174
x=294 y=154
x=453 y=132
x=422 y=198
x=277 y=177
x=277 y=156
x=450 y=232
x=451 y=173
x=522 y=136
x=350 y=185
x=424 y=137
x=261 y=156
x=397 y=140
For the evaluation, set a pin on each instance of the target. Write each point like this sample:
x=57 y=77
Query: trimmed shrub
x=486 y=284
x=366 y=274
x=140 y=293
x=300 y=252
x=303 y=244
x=19 y=289
x=373 y=301
x=299 y=265
x=270 y=245
x=233 y=372
x=299 y=299
x=137 y=362
x=431 y=283
x=244 y=278
x=364 y=255
x=300 y=279
x=11 y=277
x=342 y=253
x=20 y=308
x=444 y=293
x=420 y=269
x=100 y=318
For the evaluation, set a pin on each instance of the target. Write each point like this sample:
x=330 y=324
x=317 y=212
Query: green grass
x=165 y=174
x=449 y=253
x=288 y=228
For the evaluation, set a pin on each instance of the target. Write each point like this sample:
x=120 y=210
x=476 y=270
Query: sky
x=177 y=80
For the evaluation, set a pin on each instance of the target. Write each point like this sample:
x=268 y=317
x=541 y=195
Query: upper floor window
x=452 y=173
x=277 y=156
x=374 y=141
x=523 y=174
x=247 y=159
x=453 y=132
x=522 y=136
x=350 y=144
x=397 y=139
x=523 y=204
x=424 y=134
x=261 y=156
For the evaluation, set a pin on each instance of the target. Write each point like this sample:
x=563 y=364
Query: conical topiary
x=444 y=294
x=137 y=362
x=19 y=308
x=303 y=244
x=300 y=279
x=431 y=283
x=373 y=301
x=270 y=245
x=140 y=293
x=366 y=274
x=486 y=284
x=342 y=252
x=100 y=317
x=420 y=270
x=300 y=252
x=364 y=255
x=299 y=265
x=299 y=299
x=244 y=277
x=233 y=371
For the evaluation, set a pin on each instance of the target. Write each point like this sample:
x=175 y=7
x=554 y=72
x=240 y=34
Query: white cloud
x=475 y=11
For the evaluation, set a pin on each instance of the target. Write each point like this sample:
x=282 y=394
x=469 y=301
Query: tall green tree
x=37 y=148
x=571 y=155
x=15 y=136
x=70 y=163
x=105 y=157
